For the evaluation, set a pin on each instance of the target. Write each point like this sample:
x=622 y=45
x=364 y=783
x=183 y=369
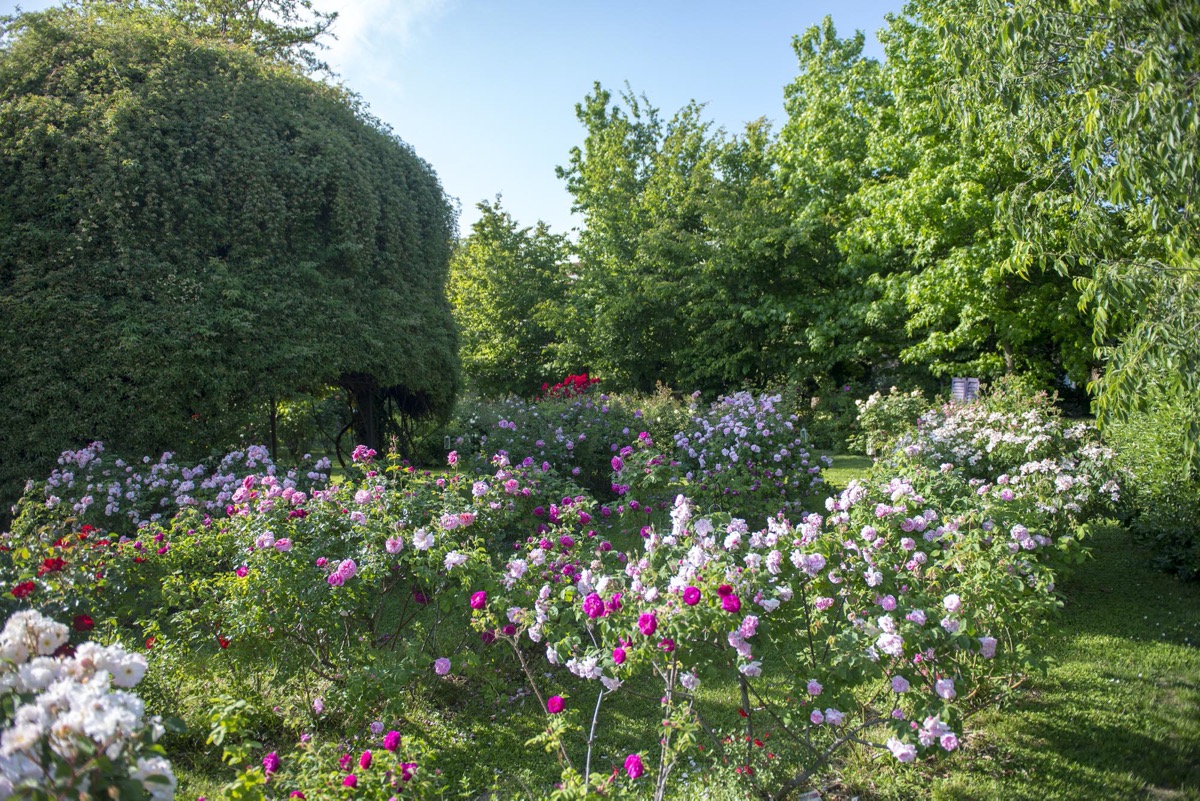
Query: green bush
x=188 y=231
x=1161 y=499
x=830 y=417
x=883 y=420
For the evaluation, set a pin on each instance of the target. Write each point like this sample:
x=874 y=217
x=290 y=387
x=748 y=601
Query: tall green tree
x=508 y=287
x=1104 y=97
x=745 y=301
x=189 y=231
x=929 y=214
x=834 y=107
x=642 y=186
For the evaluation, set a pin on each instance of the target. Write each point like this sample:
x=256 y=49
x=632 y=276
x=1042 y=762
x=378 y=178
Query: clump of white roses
x=69 y=723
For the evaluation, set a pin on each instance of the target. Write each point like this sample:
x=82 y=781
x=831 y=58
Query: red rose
x=51 y=565
x=83 y=623
x=23 y=589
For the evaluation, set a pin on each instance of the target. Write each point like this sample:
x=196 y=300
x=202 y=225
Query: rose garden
x=437 y=517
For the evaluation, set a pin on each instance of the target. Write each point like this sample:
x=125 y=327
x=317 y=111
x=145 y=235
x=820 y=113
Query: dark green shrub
x=188 y=231
x=830 y=417
x=1161 y=498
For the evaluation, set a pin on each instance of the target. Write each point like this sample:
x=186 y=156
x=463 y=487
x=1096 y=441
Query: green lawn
x=1116 y=716
x=845 y=467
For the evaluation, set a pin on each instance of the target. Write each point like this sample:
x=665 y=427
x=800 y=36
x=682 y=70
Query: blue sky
x=485 y=90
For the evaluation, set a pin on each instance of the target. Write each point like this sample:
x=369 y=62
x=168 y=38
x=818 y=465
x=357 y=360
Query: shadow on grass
x=1117 y=714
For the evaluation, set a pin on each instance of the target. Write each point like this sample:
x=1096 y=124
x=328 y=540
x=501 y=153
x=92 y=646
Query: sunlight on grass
x=1115 y=716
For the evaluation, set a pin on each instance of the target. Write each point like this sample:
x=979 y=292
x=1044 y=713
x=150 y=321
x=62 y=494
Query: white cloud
x=367 y=29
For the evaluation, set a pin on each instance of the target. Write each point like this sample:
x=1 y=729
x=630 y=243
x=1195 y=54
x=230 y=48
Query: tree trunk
x=366 y=409
x=273 y=417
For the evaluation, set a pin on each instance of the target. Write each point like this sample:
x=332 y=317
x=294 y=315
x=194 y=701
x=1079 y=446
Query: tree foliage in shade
x=507 y=288
x=189 y=231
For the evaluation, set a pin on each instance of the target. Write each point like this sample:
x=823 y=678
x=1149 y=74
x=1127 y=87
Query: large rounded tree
x=189 y=230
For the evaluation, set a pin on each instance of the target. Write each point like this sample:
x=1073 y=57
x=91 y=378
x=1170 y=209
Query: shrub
x=884 y=420
x=68 y=725
x=830 y=417
x=577 y=435
x=1162 y=501
x=101 y=488
x=742 y=455
x=912 y=599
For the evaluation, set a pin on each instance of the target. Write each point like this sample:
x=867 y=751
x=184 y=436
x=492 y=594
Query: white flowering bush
x=883 y=420
x=69 y=727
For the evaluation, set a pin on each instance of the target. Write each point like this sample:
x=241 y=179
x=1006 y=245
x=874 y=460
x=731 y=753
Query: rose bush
x=879 y=618
x=68 y=725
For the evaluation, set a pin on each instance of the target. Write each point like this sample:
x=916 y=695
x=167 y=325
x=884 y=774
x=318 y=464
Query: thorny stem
x=661 y=784
x=587 y=766
x=744 y=686
x=806 y=741
x=851 y=736
x=532 y=683
x=812 y=651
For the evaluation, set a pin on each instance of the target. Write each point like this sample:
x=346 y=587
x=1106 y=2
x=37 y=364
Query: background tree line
x=1010 y=191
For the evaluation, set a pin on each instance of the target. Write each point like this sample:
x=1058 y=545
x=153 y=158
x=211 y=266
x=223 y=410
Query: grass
x=1116 y=716
x=845 y=467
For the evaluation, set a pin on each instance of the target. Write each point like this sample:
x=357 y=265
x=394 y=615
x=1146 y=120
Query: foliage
x=1163 y=501
x=507 y=287
x=826 y=625
x=829 y=417
x=926 y=231
x=198 y=231
x=289 y=30
x=640 y=184
x=885 y=420
x=744 y=455
x=822 y=153
x=1102 y=98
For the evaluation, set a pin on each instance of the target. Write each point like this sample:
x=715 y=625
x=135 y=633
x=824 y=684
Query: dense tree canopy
x=507 y=286
x=1103 y=97
x=866 y=241
x=189 y=230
